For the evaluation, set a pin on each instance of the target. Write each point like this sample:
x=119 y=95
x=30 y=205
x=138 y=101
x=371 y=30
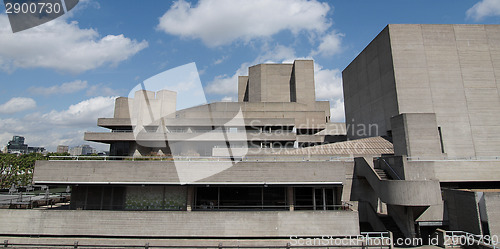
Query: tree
x=18 y=169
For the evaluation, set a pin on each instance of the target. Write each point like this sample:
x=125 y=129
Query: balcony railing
x=446 y=158
x=215 y=131
x=278 y=158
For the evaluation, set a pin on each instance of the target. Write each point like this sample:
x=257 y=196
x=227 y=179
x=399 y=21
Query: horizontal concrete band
x=178 y=223
x=163 y=172
x=194 y=183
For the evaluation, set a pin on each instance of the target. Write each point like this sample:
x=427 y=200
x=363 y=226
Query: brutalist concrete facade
x=213 y=170
x=452 y=71
x=434 y=91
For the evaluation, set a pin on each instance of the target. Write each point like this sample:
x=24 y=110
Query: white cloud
x=62 y=46
x=59 y=127
x=220 y=22
x=83 y=114
x=227 y=99
x=17 y=104
x=220 y=60
x=329 y=87
x=328 y=83
x=337 y=113
x=483 y=9
x=64 y=88
x=102 y=90
x=330 y=44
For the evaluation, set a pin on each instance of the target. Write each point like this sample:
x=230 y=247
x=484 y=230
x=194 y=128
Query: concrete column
x=289 y=197
x=190 y=198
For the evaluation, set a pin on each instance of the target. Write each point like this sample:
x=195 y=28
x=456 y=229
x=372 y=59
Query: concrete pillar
x=289 y=197
x=190 y=198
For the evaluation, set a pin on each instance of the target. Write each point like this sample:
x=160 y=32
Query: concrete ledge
x=178 y=224
x=463 y=171
x=185 y=172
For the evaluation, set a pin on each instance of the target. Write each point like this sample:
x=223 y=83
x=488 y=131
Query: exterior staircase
x=391 y=225
x=382 y=174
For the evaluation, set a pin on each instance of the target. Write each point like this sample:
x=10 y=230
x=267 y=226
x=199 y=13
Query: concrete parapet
x=178 y=223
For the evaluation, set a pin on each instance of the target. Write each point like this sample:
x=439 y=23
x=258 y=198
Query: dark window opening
x=441 y=139
x=242 y=198
x=316 y=198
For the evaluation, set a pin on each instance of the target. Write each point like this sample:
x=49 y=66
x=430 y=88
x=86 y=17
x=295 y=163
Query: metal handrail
x=388 y=165
x=343 y=206
x=277 y=158
x=445 y=158
x=76 y=244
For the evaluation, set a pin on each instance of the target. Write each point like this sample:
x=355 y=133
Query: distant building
x=37 y=150
x=17 y=145
x=62 y=149
x=82 y=150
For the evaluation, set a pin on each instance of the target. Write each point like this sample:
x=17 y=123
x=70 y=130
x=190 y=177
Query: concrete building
x=434 y=91
x=17 y=145
x=421 y=108
x=62 y=149
x=82 y=150
x=202 y=166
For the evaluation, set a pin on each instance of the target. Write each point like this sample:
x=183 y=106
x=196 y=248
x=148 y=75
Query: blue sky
x=58 y=78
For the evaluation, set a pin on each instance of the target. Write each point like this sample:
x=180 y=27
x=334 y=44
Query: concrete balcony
x=189 y=172
x=107 y=137
x=191 y=122
x=178 y=223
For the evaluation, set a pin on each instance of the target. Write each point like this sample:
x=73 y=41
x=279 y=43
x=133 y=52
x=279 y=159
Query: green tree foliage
x=18 y=169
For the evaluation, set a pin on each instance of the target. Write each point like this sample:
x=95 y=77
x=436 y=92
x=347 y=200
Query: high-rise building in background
x=17 y=145
x=62 y=149
x=82 y=150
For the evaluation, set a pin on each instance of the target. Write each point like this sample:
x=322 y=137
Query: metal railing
x=280 y=158
x=390 y=167
x=344 y=206
x=212 y=131
x=446 y=158
x=362 y=241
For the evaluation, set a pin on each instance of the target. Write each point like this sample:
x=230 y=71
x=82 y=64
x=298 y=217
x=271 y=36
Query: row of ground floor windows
x=205 y=198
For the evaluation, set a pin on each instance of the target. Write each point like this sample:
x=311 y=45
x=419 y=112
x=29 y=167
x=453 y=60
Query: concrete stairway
x=391 y=225
x=382 y=174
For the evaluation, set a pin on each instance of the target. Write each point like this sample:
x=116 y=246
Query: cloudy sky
x=58 y=78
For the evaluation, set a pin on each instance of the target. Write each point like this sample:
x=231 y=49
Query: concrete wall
x=463 y=211
x=269 y=82
x=303 y=72
x=450 y=70
x=460 y=171
x=492 y=201
x=242 y=88
x=185 y=172
x=178 y=224
x=415 y=134
x=370 y=89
